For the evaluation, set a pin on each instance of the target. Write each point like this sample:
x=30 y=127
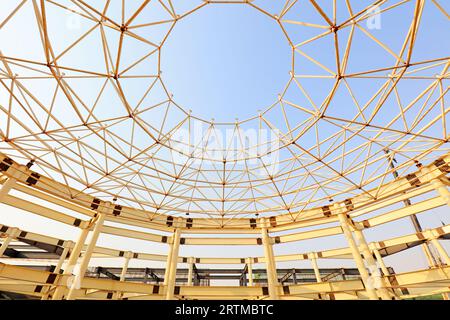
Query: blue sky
x=228 y=61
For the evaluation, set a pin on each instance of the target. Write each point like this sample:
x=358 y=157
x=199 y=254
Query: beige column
x=443 y=192
x=442 y=253
x=395 y=291
x=67 y=246
x=12 y=234
x=442 y=189
x=87 y=255
x=172 y=276
x=127 y=256
x=380 y=261
x=355 y=251
x=190 y=270
x=62 y=258
x=250 y=271
x=272 y=281
x=73 y=258
x=168 y=261
x=375 y=279
x=313 y=257
x=430 y=258
x=6 y=187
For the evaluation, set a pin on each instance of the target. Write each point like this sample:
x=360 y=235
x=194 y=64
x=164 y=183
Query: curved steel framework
x=89 y=112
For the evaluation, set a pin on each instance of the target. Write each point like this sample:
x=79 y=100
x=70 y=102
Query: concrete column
x=355 y=252
x=128 y=255
x=190 y=270
x=172 y=276
x=73 y=258
x=250 y=271
x=375 y=279
x=6 y=187
x=12 y=234
x=272 y=280
x=313 y=257
x=87 y=256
